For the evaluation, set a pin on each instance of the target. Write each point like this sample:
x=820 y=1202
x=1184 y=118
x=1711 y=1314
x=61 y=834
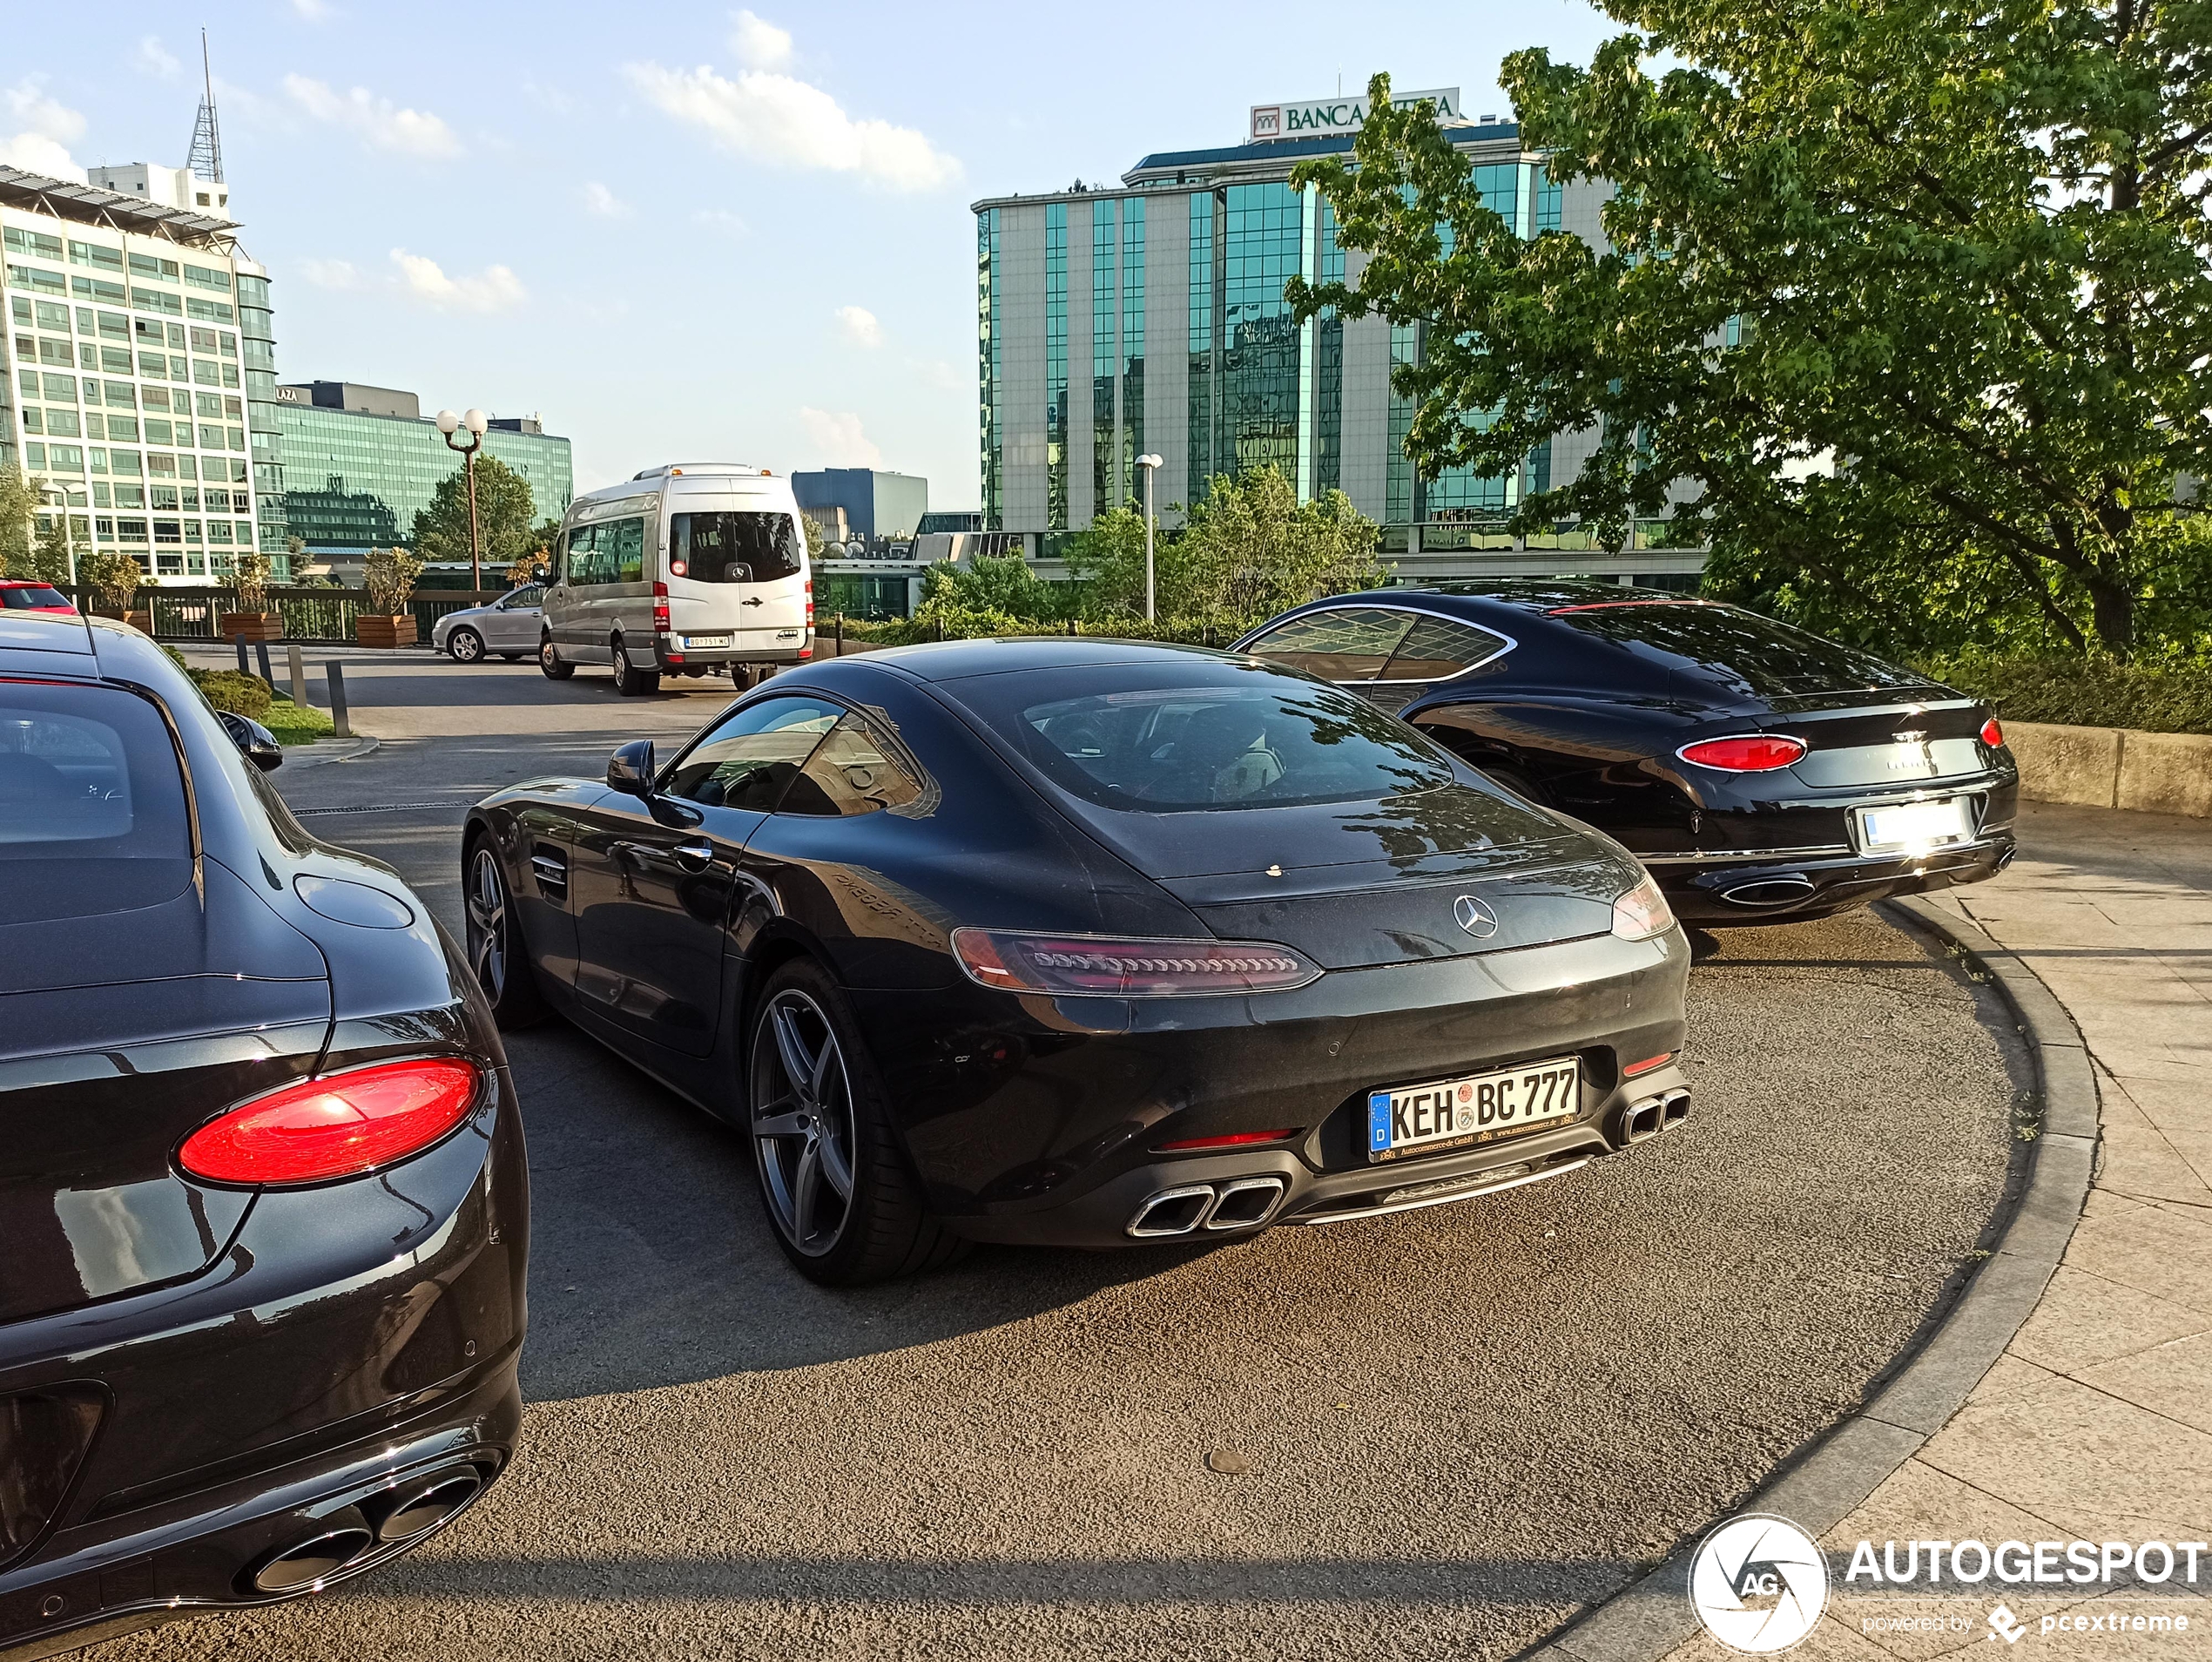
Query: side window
x=749 y=760
x=1344 y=644
x=850 y=773
x=577 y=561
x=523 y=598
x=1437 y=647
x=622 y=550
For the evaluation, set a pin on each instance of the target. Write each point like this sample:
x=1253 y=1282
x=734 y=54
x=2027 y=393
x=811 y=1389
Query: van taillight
x=660 y=608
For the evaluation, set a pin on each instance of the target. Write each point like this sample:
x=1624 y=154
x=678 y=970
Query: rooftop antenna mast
x=206 y=158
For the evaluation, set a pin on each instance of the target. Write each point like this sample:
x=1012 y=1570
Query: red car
x=23 y=595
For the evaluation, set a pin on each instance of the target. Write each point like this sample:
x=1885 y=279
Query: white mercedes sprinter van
x=681 y=571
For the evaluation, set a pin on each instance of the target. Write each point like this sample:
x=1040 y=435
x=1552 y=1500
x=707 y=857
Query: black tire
x=512 y=657
x=549 y=661
x=465 y=646
x=631 y=682
x=1519 y=783
x=836 y=1124
x=497 y=955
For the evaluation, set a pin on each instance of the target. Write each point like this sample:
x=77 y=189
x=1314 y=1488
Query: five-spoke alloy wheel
x=495 y=956
x=465 y=646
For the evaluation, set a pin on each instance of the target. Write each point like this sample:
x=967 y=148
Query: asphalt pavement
x=1459 y=1426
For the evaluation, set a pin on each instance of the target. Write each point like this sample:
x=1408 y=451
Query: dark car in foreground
x=1090 y=944
x=1760 y=772
x=263 y=1205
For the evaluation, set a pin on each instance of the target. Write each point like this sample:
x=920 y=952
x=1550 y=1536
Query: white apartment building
x=138 y=367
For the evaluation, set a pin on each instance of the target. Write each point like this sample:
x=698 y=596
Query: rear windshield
x=92 y=815
x=735 y=545
x=1764 y=658
x=1176 y=737
x=31 y=598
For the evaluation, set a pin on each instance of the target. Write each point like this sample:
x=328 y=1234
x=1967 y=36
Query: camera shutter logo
x=1758 y=1583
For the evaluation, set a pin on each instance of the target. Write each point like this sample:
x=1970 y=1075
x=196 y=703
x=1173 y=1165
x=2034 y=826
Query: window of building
x=161 y=271
x=34 y=419
x=96 y=254
x=155 y=299
x=65 y=458
x=219 y=530
x=97 y=288
x=61 y=388
x=203 y=277
x=95 y=425
x=62 y=424
x=159 y=431
x=52 y=316
x=31 y=277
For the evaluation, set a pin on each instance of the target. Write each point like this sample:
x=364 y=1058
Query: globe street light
x=1151 y=464
x=474 y=422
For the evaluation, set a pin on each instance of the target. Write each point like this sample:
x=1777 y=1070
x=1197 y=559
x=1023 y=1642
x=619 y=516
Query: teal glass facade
x=1104 y=350
x=989 y=367
x=1200 y=447
x=355 y=480
x=1133 y=343
x=1056 y=365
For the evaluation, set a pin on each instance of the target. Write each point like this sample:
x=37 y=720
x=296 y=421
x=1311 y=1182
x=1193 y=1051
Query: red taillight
x=660 y=608
x=1643 y=912
x=1646 y=1064
x=1991 y=734
x=1757 y=752
x=338 y=1126
x=1126 y=969
x=1235 y=1139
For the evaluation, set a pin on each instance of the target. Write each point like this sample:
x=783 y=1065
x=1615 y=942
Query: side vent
x=550 y=867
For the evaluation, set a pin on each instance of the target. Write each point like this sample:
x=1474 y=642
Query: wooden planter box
x=115 y=613
x=384 y=632
x=255 y=626
x=141 y=621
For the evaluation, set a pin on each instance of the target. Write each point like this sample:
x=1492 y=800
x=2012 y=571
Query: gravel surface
x=1457 y=1427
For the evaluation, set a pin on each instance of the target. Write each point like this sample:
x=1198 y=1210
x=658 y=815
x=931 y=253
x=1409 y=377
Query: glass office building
x=355 y=478
x=1166 y=294
x=138 y=377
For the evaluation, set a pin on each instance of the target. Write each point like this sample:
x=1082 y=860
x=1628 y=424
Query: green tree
x=48 y=560
x=505 y=515
x=18 y=510
x=1912 y=299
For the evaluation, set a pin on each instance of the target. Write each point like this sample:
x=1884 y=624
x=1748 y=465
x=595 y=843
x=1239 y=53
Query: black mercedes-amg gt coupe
x=1763 y=774
x=263 y=1204
x=1087 y=943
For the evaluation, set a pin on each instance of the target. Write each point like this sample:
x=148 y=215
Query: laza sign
x=1339 y=115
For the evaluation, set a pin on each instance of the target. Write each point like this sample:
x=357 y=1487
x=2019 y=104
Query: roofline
x=1234 y=164
x=113 y=210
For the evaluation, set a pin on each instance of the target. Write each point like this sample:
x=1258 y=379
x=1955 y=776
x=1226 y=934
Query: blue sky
x=691 y=231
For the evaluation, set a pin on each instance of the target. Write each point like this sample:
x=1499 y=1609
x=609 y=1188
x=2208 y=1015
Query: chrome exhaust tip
x=1246 y=1203
x=1786 y=890
x=312 y=1560
x=1645 y=1119
x=412 y=1509
x=1172 y=1212
x=1675 y=1109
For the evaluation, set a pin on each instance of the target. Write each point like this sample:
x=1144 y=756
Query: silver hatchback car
x=508 y=626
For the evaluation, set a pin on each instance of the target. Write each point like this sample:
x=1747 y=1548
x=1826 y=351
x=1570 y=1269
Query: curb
x=1820 y=1487
x=329 y=750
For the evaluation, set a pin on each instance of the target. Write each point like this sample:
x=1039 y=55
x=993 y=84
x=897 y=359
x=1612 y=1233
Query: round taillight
x=1757 y=753
x=1991 y=734
x=338 y=1126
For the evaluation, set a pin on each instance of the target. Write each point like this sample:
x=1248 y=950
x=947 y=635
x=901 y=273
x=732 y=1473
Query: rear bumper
x=1771 y=888
x=671 y=656
x=351 y=1345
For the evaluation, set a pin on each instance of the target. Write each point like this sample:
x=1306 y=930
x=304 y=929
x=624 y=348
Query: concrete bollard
x=339 y=723
x=239 y=641
x=262 y=657
x=299 y=674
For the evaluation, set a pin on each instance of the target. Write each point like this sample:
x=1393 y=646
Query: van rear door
x=748 y=562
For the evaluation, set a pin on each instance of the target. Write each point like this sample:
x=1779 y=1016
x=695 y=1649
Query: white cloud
x=774 y=117
x=340 y=275
x=158 y=60
x=597 y=198
x=494 y=289
x=860 y=325
x=44 y=130
x=949 y=376
x=377 y=121
x=720 y=219
x=837 y=440
x=758 y=44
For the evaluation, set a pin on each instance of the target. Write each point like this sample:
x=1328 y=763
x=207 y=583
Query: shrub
x=389 y=575
x=2085 y=692
x=249 y=581
x=113 y=579
x=246 y=695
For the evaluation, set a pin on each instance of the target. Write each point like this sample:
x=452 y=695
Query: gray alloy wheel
x=549 y=661
x=465 y=646
x=495 y=957
x=803 y=1129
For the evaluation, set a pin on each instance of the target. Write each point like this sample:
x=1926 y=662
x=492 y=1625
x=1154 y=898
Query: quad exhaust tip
x=1239 y=1203
x=1645 y=1119
x=378 y=1525
x=312 y=1560
x=425 y=1505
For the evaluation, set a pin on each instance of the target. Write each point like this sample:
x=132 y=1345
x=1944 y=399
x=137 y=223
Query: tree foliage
x=1911 y=300
x=506 y=516
x=18 y=527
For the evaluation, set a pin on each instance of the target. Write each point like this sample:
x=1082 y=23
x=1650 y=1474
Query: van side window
x=579 y=556
x=621 y=551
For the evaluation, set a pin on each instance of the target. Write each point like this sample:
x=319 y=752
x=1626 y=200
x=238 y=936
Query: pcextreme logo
x=1758 y=1583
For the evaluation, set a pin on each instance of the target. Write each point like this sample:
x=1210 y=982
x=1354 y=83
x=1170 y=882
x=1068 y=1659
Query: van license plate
x=1912 y=826
x=1480 y=1108
x=698 y=643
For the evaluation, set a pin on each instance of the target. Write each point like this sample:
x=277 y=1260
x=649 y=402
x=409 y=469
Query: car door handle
x=696 y=857
x=754 y=601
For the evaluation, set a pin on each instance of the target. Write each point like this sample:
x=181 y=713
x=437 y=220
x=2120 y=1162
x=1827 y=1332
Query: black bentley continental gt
x=1087 y=943
x=263 y=1205
x=1763 y=774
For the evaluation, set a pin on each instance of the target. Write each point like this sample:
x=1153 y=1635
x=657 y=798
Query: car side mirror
x=255 y=742
x=630 y=770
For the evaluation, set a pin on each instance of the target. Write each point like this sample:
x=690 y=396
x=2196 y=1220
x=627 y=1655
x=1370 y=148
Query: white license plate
x=1480 y=1108
x=1914 y=825
x=700 y=643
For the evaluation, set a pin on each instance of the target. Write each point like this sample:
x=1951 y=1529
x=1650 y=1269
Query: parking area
x=1434 y=1435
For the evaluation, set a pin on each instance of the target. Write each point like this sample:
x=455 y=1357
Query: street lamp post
x=1152 y=465
x=473 y=422
x=57 y=495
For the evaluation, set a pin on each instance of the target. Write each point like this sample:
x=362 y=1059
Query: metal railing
x=309 y=614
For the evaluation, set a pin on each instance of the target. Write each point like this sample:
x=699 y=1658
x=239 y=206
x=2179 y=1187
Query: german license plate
x=700 y=643
x=1914 y=825
x=1480 y=1108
